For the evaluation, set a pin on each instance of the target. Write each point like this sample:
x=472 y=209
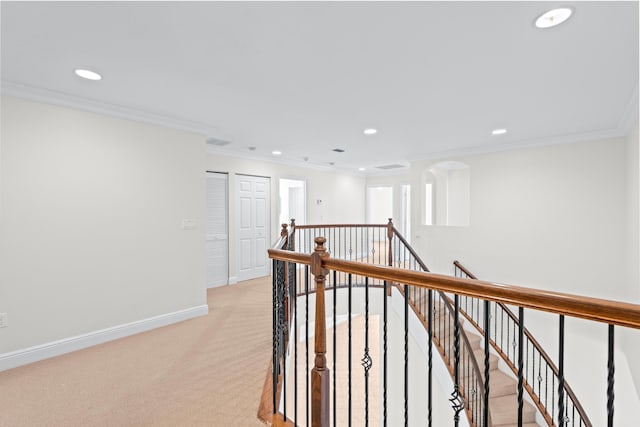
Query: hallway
x=207 y=371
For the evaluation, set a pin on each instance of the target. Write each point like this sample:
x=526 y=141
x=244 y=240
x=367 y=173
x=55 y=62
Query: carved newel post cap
x=320 y=241
x=390 y=221
x=293 y=222
x=283 y=232
x=317 y=256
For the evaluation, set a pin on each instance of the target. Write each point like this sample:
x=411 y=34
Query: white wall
x=554 y=218
x=90 y=230
x=342 y=195
x=631 y=338
x=549 y=217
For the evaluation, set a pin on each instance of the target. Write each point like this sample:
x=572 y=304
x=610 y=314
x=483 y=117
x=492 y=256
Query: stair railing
x=537 y=364
x=414 y=283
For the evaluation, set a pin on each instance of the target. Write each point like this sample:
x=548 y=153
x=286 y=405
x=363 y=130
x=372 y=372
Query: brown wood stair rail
x=511 y=359
x=594 y=309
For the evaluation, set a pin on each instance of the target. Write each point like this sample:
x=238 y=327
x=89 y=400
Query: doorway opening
x=293 y=201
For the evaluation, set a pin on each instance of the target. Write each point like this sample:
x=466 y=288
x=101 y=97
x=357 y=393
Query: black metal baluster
x=295 y=349
x=501 y=328
x=485 y=412
x=350 y=357
x=283 y=333
x=306 y=338
x=508 y=342
x=561 y=374
x=384 y=342
x=495 y=323
x=610 y=377
x=526 y=362
x=456 y=399
x=366 y=358
x=520 y=362
x=335 y=291
x=406 y=356
x=540 y=380
x=553 y=389
x=274 y=280
x=430 y=357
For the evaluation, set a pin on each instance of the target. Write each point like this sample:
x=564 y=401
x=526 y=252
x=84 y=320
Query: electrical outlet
x=4 y=320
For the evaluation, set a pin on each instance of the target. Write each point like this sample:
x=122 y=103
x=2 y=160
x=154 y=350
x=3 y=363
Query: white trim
x=59 y=98
x=630 y=115
x=627 y=120
x=55 y=348
x=233 y=280
x=532 y=143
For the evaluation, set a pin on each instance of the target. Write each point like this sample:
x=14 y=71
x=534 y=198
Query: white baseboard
x=233 y=280
x=55 y=348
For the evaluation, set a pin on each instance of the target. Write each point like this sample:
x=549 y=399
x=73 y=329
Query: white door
x=253 y=210
x=217 y=230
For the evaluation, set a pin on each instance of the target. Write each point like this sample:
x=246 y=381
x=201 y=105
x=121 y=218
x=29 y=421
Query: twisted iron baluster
x=610 y=378
x=274 y=341
x=366 y=359
x=456 y=399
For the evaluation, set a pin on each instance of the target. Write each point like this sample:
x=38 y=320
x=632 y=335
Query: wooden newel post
x=292 y=243
x=320 y=372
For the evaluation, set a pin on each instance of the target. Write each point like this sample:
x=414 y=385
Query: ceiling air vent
x=387 y=167
x=217 y=142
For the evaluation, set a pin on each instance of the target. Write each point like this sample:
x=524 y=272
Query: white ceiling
x=304 y=77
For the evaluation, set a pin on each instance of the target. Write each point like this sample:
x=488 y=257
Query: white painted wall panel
x=91 y=222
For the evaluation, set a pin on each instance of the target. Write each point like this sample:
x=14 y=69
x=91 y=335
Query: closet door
x=253 y=209
x=217 y=230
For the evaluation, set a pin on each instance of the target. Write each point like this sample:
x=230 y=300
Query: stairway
x=503 y=392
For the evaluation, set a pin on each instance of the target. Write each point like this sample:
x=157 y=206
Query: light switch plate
x=4 y=320
x=188 y=224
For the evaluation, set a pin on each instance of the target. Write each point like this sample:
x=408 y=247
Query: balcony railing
x=366 y=257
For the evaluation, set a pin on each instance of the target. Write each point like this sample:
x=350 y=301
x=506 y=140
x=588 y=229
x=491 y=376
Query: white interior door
x=253 y=210
x=217 y=230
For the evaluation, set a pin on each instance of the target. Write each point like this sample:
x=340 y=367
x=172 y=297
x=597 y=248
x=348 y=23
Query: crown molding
x=219 y=151
x=630 y=115
x=628 y=119
x=48 y=96
x=529 y=143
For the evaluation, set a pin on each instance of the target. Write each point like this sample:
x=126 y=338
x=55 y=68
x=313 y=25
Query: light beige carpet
x=207 y=371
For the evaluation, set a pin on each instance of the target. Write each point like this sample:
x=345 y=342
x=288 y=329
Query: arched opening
x=446 y=194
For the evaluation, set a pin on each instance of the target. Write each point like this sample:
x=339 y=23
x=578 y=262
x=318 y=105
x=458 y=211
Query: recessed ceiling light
x=370 y=131
x=498 y=131
x=553 y=17
x=88 y=74
x=276 y=152
x=361 y=169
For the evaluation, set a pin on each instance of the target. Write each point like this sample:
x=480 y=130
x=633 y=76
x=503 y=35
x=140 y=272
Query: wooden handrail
x=410 y=249
x=303 y=227
x=537 y=346
x=596 y=309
